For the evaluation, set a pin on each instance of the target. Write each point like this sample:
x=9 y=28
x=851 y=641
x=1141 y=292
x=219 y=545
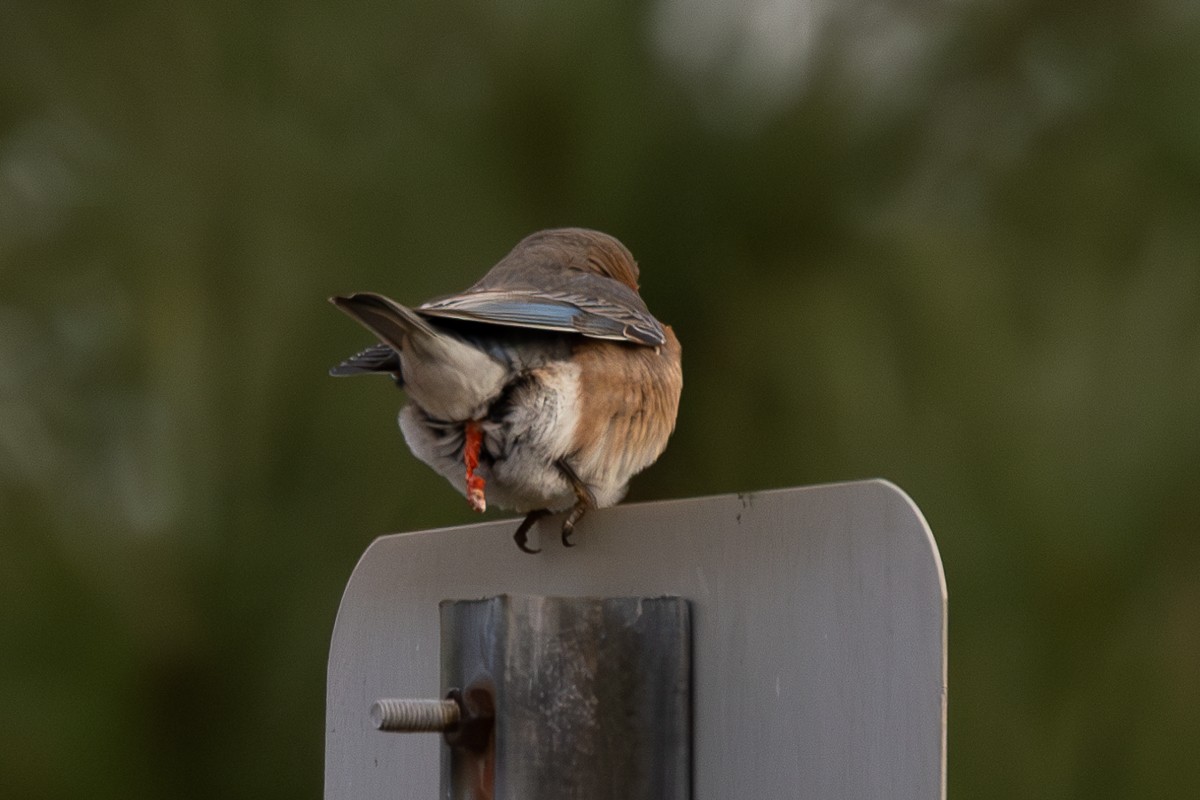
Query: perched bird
x=545 y=386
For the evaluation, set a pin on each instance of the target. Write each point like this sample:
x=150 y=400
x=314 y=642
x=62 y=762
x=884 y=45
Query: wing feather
x=554 y=311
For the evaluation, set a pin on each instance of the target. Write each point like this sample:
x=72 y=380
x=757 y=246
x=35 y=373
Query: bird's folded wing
x=552 y=311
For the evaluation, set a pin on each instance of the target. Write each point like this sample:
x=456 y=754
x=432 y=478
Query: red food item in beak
x=473 y=441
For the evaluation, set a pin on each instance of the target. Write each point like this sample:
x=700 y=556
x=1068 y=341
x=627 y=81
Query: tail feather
x=378 y=358
x=384 y=317
x=446 y=376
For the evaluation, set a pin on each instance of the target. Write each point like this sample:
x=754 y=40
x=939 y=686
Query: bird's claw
x=568 y=526
x=521 y=537
x=583 y=500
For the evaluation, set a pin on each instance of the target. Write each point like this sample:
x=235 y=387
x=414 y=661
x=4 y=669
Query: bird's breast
x=628 y=401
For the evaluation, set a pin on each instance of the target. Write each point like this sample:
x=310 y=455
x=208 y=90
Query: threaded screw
x=415 y=716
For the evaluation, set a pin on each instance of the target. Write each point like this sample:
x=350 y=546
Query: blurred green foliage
x=957 y=246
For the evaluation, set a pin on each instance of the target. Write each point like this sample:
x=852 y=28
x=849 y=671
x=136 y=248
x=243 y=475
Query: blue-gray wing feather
x=556 y=311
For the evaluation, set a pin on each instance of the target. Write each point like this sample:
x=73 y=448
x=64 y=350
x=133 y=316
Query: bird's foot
x=568 y=526
x=583 y=500
x=521 y=537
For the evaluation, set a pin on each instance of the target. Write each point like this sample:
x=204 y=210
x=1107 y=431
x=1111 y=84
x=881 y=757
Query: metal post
x=591 y=697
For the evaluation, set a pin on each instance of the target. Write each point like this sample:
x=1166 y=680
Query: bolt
x=415 y=716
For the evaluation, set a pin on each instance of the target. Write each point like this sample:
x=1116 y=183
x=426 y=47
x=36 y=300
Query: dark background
x=957 y=246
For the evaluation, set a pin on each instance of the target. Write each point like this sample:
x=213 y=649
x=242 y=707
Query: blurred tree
x=955 y=246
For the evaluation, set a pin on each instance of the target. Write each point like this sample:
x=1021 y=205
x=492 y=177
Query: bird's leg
x=521 y=537
x=583 y=500
x=472 y=442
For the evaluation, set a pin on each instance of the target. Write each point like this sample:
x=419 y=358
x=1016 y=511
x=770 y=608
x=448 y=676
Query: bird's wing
x=552 y=311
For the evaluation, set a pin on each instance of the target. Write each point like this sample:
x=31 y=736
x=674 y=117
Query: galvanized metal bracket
x=591 y=696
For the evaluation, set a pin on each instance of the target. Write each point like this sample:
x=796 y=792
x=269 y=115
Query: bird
x=544 y=387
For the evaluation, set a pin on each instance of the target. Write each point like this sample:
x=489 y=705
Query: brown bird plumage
x=547 y=385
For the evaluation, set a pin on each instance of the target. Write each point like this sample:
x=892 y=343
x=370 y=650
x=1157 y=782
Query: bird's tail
x=384 y=317
x=446 y=376
x=376 y=359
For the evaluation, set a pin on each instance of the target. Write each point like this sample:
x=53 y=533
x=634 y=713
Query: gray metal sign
x=818 y=624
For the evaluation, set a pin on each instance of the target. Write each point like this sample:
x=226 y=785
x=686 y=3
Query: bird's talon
x=521 y=537
x=568 y=526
